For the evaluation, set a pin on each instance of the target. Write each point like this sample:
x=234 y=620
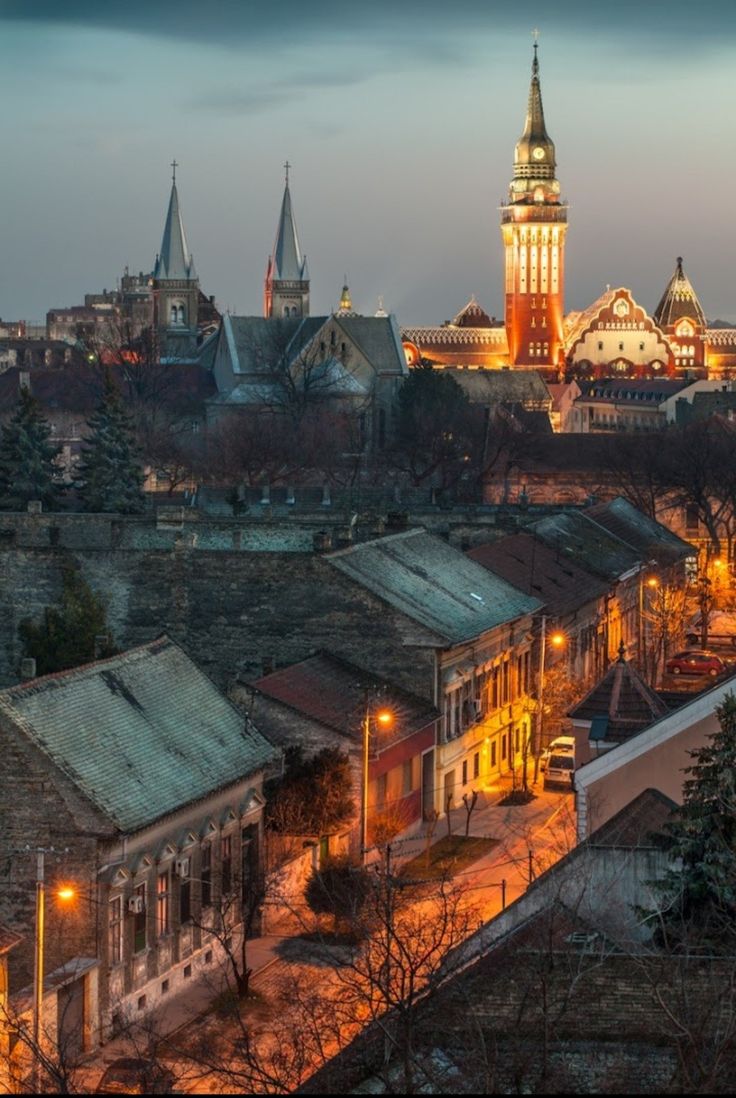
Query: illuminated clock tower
x=533 y=226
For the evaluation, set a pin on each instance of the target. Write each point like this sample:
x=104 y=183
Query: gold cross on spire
x=287 y=165
x=174 y=166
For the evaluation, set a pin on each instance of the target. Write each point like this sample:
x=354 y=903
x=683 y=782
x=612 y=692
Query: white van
x=560 y=768
x=563 y=745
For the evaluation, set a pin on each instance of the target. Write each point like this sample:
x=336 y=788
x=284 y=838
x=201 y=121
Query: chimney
x=322 y=542
x=27 y=669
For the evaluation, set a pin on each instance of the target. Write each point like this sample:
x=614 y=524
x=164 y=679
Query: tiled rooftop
x=140 y=734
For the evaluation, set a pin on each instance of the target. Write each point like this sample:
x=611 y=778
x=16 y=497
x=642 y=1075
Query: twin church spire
x=286 y=290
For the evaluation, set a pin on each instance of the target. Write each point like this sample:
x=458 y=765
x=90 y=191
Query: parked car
x=563 y=745
x=560 y=769
x=721 y=628
x=129 y=1075
x=696 y=662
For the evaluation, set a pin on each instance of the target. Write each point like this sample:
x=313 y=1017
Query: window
x=517 y=741
x=163 y=911
x=504 y=747
x=406 y=782
x=185 y=899
x=226 y=864
x=140 y=935
x=495 y=698
x=465 y=772
x=476 y=765
x=205 y=874
x=381 y=790
x=505 y=693
x=493 y=754
x=115 y=925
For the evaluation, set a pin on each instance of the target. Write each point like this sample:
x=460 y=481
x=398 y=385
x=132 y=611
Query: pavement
x=528 y=838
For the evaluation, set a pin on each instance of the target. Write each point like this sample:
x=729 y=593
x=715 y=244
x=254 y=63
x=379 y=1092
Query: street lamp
x=556 y=640
x=385 y=718
x=651 y=582
x=65 y=894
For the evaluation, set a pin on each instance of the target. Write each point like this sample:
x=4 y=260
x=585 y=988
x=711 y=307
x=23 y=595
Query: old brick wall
x=39 y=808
x=230 y=607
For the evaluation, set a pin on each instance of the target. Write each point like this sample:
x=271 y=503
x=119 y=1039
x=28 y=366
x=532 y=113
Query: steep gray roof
x=379 y=338
x=141 y=734
x=495 y=386
x=650 y=538
x=258 y=344
x=174 y=260
x=287 y=261
x=434 y=584
x=578 y=538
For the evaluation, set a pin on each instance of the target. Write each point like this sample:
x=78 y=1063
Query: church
x=613 y=337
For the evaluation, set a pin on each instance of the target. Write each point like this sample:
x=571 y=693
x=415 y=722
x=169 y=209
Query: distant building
x=613 y=336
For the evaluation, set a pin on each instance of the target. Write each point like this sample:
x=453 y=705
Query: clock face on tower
x=538 y=153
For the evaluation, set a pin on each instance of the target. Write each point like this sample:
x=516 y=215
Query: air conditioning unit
x=136 y=905
x=181 y=866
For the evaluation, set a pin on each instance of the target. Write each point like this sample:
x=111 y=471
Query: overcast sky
x=399 y=118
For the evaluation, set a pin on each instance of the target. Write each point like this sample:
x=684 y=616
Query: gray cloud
x=679 y=24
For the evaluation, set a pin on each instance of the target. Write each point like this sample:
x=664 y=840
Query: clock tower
x=533 y=226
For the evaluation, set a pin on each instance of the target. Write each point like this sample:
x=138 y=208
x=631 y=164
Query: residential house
x=575 y=600
x=659 y=752
x=628 y=404
x=8 y=941
x=468 y=636
x=144 y=784
x=324 y=701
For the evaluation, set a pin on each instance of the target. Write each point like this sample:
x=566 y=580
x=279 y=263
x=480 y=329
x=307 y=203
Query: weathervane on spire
x=287 y=165
x=174 y=166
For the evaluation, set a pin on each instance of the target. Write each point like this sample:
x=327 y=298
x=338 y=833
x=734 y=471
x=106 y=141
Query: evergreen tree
x=701 y=894
x=28 y=467
x=68 y=635
x=110 y=471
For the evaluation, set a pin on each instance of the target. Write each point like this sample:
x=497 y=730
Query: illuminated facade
x=533 y=227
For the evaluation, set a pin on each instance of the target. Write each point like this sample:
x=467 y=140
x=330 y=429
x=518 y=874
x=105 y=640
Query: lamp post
x=385 y=718
x=64 y=894
x=651 y=582
x=557 y=639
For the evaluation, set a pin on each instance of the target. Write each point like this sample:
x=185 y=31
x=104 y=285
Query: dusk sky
x=399 y=118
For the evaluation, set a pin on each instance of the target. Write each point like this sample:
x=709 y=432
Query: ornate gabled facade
x=286 y=290
x=615 y=337
x=175 y=287
x=472 y=339
x=533 y=226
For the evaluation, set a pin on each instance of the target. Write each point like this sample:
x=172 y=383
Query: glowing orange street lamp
x=384 y=718
x=66 y=894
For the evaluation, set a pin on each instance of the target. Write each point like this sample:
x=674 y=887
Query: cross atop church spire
x=287 y=165
x=174 y=166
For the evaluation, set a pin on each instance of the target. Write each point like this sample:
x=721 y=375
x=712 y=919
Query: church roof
x=287 y=263
x=620 y=705
x=379 y=339
x=174 y=261
x=679 y=300
x=472 y=315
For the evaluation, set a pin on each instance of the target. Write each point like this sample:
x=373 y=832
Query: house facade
x=151 y=813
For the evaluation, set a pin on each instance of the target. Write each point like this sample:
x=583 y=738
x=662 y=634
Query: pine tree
x=701 y=893
x=110 y=471
x=28 y=467
x=70 y=632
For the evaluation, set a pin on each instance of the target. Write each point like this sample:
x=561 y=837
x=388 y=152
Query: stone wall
x=234 y=594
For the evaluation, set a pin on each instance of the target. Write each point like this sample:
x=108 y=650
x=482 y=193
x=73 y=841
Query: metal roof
x=650 y=538
x=141 y=734
x=434 y=584
x=576 y=537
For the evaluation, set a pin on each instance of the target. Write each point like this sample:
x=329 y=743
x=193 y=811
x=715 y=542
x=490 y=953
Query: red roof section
x=535 y=568
x=333 y=692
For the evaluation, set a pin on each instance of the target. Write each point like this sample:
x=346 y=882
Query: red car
x=693 y=662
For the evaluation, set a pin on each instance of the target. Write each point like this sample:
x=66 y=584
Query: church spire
x=174 y=260
x=287 y=275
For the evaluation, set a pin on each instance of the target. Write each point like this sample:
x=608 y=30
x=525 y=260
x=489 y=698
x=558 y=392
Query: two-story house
x=143 y=784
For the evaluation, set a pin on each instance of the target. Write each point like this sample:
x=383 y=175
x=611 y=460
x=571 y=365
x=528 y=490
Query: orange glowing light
x=557 y=640
x=385 y=717
x=66 y=893
x=718 y=563
x=652 y=582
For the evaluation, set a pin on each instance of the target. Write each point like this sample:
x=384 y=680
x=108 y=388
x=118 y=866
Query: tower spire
x=174 y=260
x=287 y=276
